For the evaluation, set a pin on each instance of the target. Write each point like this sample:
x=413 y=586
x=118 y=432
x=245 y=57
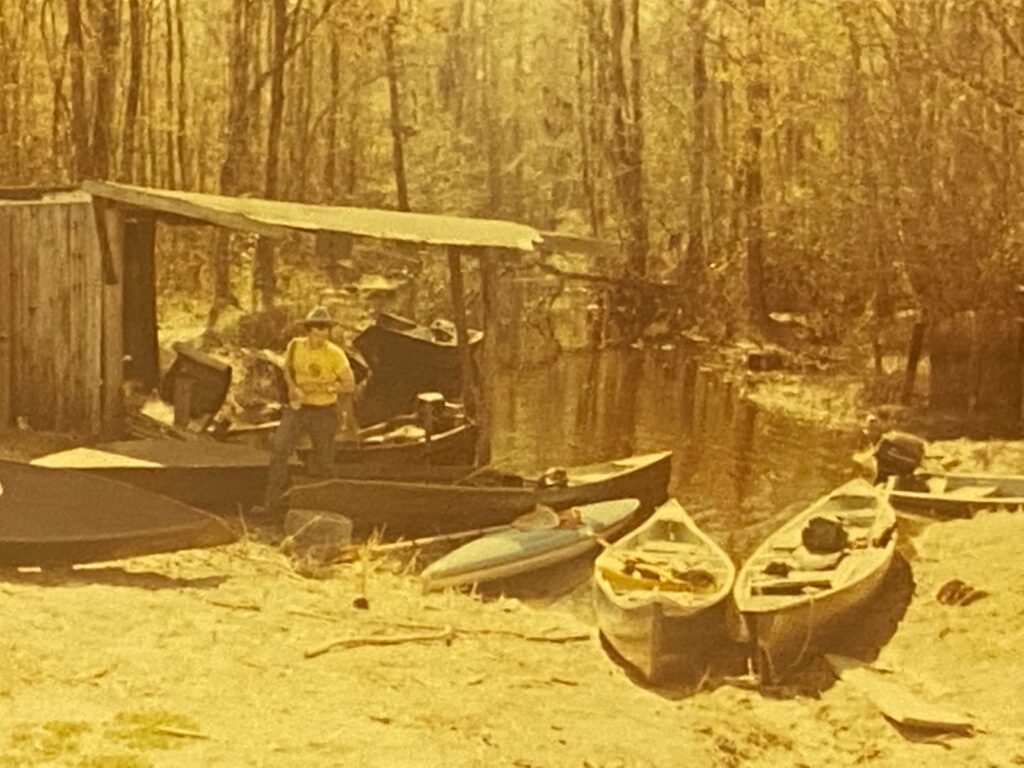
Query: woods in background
x=845 y=159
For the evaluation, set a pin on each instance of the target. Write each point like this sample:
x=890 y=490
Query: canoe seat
x=791 y=585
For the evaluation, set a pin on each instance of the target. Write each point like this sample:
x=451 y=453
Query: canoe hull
x=424 y=509
x=1001 y=492
x=784 y=639
x=664 y=633
x=217 y=475
x=56 y=517
x=783 y=621
x=658 y=639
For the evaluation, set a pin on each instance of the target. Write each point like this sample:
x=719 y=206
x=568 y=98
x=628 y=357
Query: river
x=740 y=470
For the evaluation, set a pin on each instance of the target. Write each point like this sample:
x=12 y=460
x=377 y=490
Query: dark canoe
x=202 y=473
x=455 y=445
x=224 y=476
x=407 y=508
x=955 y=495
x=52 y=517
x=418 y=358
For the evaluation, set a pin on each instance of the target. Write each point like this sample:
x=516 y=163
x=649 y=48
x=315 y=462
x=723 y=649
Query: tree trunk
x=397 y=130
x=333 y=118
x=757 y=100
x=169 y=94
x=695 y=259
x=184 y=153
x=263 y=267
x=627 y=134
x=79 y=118
x=131 y=100
x=236 y=152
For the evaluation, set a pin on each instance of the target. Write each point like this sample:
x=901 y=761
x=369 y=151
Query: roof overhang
x=275 y=218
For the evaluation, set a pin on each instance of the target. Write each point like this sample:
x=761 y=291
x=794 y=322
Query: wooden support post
x=462 y=329
x=99 y=211
x=913 y=358
x=489 y=300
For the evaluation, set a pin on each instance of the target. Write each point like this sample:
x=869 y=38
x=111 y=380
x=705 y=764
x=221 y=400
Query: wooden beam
x=462 y=329
x=489 y=302
x=99 y=212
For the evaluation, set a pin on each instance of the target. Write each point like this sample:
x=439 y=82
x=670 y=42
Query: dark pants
x=320 y=422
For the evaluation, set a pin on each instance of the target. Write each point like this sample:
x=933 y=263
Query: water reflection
x=738 y=469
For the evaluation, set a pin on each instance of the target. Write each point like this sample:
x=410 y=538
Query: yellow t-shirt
x=320 y=373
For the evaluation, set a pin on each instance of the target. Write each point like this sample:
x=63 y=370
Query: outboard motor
x=897 y=453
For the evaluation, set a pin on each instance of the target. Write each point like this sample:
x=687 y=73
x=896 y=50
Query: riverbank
x=211 y=658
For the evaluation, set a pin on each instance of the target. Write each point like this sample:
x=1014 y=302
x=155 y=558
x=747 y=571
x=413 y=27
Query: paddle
x=540 y=518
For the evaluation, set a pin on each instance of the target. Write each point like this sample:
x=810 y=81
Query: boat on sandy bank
x=223 y=475
x=449 y=502
x=661 y=595
x=514 y=551
x=55 y=517
x=814 y=573
x=955 y=494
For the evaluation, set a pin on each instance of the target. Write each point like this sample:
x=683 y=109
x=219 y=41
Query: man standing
x=320 y=395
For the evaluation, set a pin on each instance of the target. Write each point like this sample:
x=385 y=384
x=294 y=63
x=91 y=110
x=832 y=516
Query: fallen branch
x=236 y=606
x=447 y=634
x=180 y=732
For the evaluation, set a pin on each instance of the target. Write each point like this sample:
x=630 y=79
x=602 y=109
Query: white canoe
x=660 y=595
x=785 y=615
x=511 y=552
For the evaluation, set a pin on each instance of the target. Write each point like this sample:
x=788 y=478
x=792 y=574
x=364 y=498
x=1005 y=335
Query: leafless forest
x=846 y=159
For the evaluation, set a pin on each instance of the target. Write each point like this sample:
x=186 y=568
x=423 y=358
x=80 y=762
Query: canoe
x=377 y=445
x=508 y=553
x=405 y=508
x=53 y=517
x=661 y=595
x=217 y=475
x=416 y=358
x=201 y=473
x=790 y=598
x=955 y=495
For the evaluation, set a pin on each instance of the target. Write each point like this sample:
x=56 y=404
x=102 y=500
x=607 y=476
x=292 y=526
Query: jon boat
x=660 y=595
x=53 y=517
x=790 y=598
x=443 y=504
x=956 y=495
x=215 y=475
x=507 y=553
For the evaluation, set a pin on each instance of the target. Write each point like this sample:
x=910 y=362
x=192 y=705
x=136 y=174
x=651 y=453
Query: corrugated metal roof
x=276 y=218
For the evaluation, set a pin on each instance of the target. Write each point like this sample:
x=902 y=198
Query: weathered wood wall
x=60 y=321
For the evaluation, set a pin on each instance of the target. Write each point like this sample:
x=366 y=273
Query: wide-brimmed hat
x=319 y=316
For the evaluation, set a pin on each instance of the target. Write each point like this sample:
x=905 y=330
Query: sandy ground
x=202 y=658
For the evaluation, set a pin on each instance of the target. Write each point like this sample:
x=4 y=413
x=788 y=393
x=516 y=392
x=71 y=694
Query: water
x=740 y=471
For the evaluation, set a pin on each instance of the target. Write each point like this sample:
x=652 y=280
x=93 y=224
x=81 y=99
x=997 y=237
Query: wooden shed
x=78 y=287
x=61 y=352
